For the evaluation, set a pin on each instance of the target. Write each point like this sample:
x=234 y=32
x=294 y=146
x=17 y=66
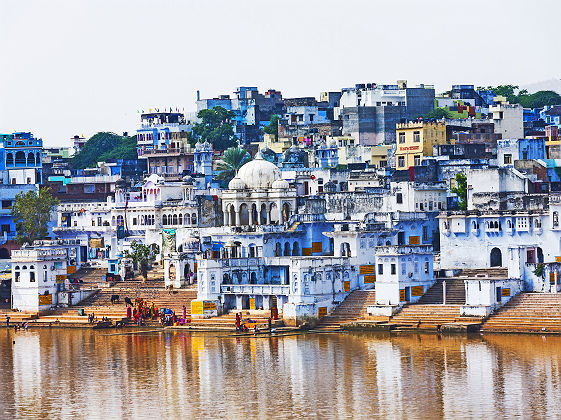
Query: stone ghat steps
x=351 y=309
x=430 y=316
x=455 y=293
x=16 y=317
x=527 y=312
x=161 y=298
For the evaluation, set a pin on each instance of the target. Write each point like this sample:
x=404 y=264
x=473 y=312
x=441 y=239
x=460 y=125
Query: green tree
x=438 y=114
x=104 y=146
x=142 y=255
x=31 y=212
x=232 y=160
x=539 y=99
x=216 y=127
x=273 y=127
x=461 y=190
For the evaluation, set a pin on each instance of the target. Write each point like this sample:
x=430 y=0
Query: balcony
x=255 y=289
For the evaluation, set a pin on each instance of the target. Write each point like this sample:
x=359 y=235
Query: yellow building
x=279 y=145
x=380 y=155
x=415 y=140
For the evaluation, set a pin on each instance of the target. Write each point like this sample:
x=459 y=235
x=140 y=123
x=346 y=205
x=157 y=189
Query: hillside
x=105 y=146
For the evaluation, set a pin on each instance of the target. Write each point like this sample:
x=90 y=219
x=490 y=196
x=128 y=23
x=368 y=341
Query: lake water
x=90 y=374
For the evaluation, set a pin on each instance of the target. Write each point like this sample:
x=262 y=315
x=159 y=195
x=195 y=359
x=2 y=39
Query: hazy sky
x=78 y=67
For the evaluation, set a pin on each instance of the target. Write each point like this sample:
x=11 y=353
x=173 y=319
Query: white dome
x=259 y=173
x=280 y=184
x=236 y=184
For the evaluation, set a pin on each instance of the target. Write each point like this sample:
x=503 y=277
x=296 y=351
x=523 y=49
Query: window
x=425 y=234
x=402 y=137
x=426 y=267
x=401 y=161
x=452 y=182
x=99 y=223
x=507 y=159
x=393 y=270
x=555 y=219
x=417 y=160
x=5 y=228
x=380 y=268
x=32 y=276
x=421 y=207
x=416 y=136
x=17 y=274
x=399 y=198
x=6 y=204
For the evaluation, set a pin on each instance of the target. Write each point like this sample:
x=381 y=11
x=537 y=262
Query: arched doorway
x=295 y=249
x=496 y=258
x=263 y=214
x=286 y=249
x=540 y=255
x=244 y=214
x=274 y=212
x=232 y=216
x=4 y=254
x=285 y=212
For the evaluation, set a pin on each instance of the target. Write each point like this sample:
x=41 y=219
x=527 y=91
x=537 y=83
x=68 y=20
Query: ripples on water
x=87 y=374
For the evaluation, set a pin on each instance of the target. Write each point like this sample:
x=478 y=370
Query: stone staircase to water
x=351 y=309
x=527 y=312
x=455 y=292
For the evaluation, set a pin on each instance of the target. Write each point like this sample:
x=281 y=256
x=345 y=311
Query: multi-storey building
x=415 y=140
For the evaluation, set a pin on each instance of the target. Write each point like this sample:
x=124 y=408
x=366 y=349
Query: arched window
x=9 y=159
x=180 y=221
x=286 y=249
x=164 y=220
x=187 y=219
x=20 y=158
x=194 y=218
x=174 y=219
x=31 y=159
x=295 y=249
x=278 y=250
x=120 y=220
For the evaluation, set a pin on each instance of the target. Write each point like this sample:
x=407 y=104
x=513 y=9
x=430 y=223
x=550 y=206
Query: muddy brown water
x=89 y=374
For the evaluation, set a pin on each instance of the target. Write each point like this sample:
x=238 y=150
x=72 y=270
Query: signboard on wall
x=251 y=303
x=45 y=299
x=417 y=291
x=505 y=292
x=402 y=295
x=199 y=307
x=316 y=247
x=60 y=278
x=366 y=269
x=70 y=269
x=414 y=240
x=306 y=252
x=322 y=311
x=347 y=286
x=370 y=278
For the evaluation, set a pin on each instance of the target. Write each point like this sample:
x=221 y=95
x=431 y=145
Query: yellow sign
x=45 y=299
x=70 y=269
x=505 y=292
x=209 y=306
x=347 y=286
x=60 y=277
x=371 y=278
x=366 y=269
x=417 y=291
x=316 y=247
x=197 y=307
x=402 y=295
x=414 y=240
x=307 y=252
x=322 y=311
x=251 y=303
x=557 y=259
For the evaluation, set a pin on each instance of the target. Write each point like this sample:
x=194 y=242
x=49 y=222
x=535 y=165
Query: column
x=226 y=217
x=250 y=211
x=237 y=223
x=259 y=214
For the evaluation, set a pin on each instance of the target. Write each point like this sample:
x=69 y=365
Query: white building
x=508 y=120
x=403 y=273
x=37 y=275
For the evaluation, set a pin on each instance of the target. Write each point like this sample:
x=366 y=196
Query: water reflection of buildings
x=56 y=373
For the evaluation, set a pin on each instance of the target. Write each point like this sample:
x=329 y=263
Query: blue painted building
x=20 y=159
x=510 y=150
